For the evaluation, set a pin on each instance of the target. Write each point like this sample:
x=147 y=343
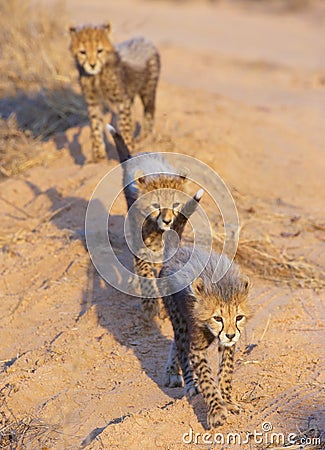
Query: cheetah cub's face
x=91 y=47
x=161 y=198
x=223 y=316
x=227 y=324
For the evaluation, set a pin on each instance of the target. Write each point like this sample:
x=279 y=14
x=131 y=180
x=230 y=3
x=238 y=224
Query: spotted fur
x=115 y=74
x=202 y=313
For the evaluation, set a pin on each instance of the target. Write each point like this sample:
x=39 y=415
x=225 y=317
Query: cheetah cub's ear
x=197 y=287
x=107 y=27
x=199 y=195
x=73 y=30
x=245 y=283
x=184 y=174
x=139 y=177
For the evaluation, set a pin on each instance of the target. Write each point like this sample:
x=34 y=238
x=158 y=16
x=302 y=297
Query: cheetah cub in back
x=202 y=313
x=115 y=74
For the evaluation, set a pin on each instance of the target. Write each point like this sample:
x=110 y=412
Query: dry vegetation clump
x=36 y=97
x=15 y=147
x=28 y=432
x=264 y=258
x=270 y=262
x=32 y=40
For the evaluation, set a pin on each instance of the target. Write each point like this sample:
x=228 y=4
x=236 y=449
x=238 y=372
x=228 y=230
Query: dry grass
x=32 y=39
x=28 y=432
x=36 y=93
x=268 y=260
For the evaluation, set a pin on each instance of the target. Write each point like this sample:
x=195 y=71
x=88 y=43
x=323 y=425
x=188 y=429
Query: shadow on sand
x=118 y=313
x=49 y=113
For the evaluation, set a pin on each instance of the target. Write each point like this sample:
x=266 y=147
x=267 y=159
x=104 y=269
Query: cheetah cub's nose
x=230 y=336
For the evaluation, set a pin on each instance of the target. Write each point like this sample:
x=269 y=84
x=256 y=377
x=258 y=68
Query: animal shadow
x=117 y=312
x=50 y=113
x=121 y=315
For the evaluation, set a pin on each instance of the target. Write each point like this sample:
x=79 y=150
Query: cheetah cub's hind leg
x=178 y=355
x=173 y=375
x=148 y=94
x=124 y=122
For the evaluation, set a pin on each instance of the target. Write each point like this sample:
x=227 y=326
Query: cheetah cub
x=202 y=313
x=115 y=74
x=156 y=199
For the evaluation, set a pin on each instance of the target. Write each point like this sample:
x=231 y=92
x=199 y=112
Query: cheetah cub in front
x=201 y=313
x=115 y=74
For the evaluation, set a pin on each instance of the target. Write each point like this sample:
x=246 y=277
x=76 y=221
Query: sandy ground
x=243 y=90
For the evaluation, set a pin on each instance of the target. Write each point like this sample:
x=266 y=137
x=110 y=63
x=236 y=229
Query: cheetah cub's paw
x=217 y=415
x=98 y=153
x=173 y=380
x=192 y=391
x=233 y=408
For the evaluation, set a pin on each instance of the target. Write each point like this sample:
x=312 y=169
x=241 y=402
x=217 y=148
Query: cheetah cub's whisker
x=157 y=202
x=115 y=74
x=202 y=313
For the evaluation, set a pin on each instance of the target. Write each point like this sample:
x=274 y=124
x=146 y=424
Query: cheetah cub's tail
x=121 y=147
x=171 y=244
x=188 y=209
x=198 y=195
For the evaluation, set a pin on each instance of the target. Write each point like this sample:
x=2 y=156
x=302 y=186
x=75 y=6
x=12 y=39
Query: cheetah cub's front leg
x=217 y=409
x=95 y=113
x=226 y=367
x=148 y=287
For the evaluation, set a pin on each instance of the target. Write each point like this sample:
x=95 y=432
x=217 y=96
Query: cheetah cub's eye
x=176 y=205
x=240 y=317
x=100 y=50
x=82 y=52
x=155 y=205
x=218 y=319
